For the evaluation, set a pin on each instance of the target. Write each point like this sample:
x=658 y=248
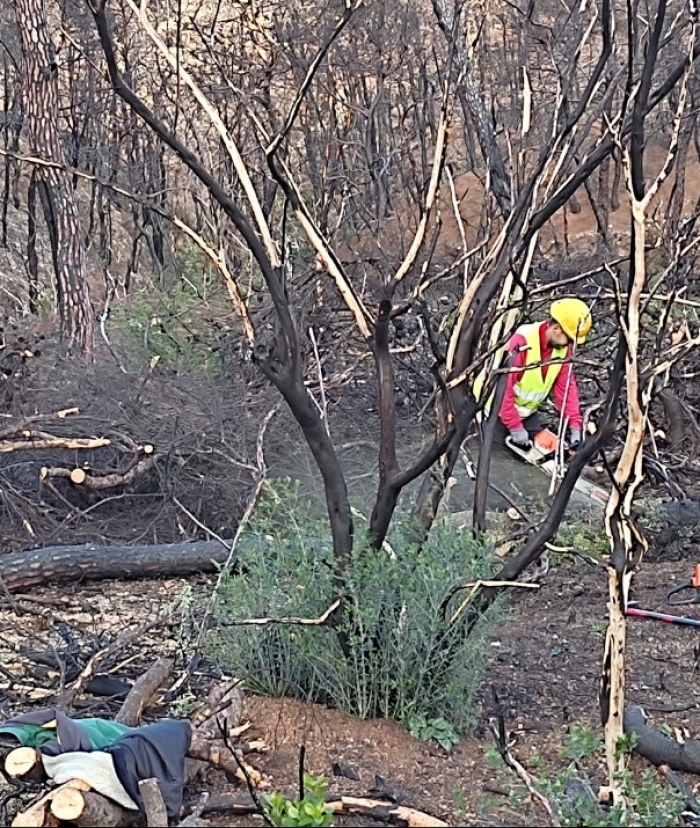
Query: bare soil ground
x=544 y=666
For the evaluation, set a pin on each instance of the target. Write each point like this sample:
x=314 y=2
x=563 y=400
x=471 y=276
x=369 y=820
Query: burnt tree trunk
x=72 y=564
x=659 y=749
x=32 y=258
x=53 y=181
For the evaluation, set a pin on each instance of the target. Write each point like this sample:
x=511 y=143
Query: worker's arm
x=567 y=398
x=508 y=414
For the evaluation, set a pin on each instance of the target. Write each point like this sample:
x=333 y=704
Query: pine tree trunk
x=54 y=182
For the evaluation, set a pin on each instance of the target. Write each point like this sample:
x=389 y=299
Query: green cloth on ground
x=100 y=732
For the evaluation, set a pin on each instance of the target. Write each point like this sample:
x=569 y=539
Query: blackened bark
x=321 y=446
x=488 y=435
x=660 y=749
x=20 y=571
x=387 y=495
x=32 y=260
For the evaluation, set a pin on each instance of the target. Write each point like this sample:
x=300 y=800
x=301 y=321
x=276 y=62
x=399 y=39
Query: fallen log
x=79 y=477
x=219 y=755
x=40 y=440
x=142 y=693
x=20 y=571
x=101 y=685
x=38 y=815
x=153 y=805
x=25 y=763
x=659 y=749
x=88 y=808
x=395 y=814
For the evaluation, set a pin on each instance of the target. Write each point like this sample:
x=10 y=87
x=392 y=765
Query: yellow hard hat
x=574 y=316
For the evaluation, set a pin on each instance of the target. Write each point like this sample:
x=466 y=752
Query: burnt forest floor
x=543 y=664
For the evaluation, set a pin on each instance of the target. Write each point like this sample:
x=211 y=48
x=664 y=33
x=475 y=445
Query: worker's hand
x=574 y=439
x=521 y=438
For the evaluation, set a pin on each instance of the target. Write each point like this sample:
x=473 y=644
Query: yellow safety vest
x=531 y=390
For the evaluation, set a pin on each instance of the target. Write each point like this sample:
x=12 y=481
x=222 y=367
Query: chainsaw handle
x=675 y=595
x=691 y=583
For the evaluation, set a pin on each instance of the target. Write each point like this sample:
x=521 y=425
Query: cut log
x=38 y=815
x=39 y=440
x=99 y=482
x=153 y=805
x=21 y=571
x=216 y=753
x=25 y=763
x=87 y=808
x=224 y=706
x=659 y=749
x=395 y=814
x=143 y=691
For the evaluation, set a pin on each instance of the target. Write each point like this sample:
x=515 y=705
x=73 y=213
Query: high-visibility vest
x=531 y=390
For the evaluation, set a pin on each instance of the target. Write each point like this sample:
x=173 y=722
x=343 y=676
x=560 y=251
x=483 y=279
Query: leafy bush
x=649 y=803
x=438 y=730
x=406 y=659
x=174 y=325
x=311 y=810
x=572 y=791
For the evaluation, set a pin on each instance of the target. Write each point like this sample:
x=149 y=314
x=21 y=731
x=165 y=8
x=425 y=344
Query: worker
x=527 y=388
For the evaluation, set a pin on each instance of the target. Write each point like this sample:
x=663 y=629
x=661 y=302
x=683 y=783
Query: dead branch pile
x=221 y=740
x=106 y=445
x=218 y=729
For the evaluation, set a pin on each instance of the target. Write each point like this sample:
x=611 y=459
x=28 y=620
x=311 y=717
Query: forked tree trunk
x=53 y=182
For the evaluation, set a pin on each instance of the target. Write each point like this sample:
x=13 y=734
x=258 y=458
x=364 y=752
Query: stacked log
x=76 y=803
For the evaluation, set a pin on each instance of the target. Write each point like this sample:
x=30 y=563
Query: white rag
x=96 y=768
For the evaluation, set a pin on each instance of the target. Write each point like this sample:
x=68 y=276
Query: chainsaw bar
x=544 y=459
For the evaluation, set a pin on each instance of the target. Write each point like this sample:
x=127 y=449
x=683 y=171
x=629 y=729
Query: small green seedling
x=311 y=810
x=438 y=729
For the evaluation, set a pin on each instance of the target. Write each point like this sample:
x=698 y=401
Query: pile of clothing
x=112 y=758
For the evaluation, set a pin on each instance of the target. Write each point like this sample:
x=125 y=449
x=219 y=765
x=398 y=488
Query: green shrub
x=573 y=791
x=406 y=660
x=648 y=802
x=311 y=810
x=437 y=730
x=174 y=325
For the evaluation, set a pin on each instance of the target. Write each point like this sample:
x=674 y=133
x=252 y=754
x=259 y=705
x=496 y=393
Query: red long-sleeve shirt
x=572 y=408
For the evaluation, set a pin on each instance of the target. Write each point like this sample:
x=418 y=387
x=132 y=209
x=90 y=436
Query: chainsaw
x=542 y=454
